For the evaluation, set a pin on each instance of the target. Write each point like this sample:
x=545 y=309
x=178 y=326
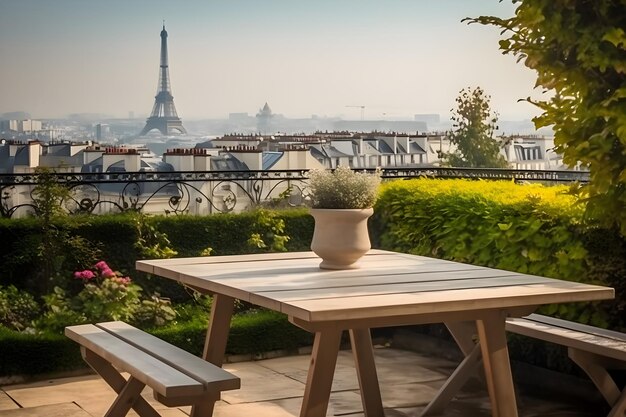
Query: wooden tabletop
x=387 y=284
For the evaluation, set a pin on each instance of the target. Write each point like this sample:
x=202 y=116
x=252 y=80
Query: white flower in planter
x=343 y=188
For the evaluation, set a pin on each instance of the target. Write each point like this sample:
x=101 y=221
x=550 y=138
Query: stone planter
x=340 y=236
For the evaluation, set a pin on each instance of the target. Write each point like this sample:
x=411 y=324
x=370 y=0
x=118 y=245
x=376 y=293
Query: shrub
x=107 y=295
x=17 y=308
x=530 y=229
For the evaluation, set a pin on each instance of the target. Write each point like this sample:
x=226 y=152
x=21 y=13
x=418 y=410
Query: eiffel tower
x=164 y=116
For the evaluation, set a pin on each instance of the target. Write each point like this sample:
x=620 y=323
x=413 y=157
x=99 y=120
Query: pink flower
x=102 y=266
x=85 y=275
x=107 y=272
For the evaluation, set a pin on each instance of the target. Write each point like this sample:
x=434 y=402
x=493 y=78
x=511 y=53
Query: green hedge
x=116 y=235
x=525 y=228
x=251 y=333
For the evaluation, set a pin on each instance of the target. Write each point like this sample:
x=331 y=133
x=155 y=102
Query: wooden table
x=389 y=289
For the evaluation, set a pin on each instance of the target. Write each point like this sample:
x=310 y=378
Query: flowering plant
x=106 y=295
x=343 y=188
x=101 y=271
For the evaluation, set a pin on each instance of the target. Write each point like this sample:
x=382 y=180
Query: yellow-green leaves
x=527 y=228
x=578 y=50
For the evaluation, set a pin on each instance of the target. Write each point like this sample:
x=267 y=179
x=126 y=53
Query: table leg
x=497 y=366
x=363 y=352
x=455 y=382
x=215 y=343
x=321 y=371
x=219 y=324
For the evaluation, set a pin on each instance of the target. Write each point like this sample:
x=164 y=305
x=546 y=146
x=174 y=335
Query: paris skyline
x=396 y=58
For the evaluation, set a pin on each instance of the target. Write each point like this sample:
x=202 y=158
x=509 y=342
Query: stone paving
x=274 y=388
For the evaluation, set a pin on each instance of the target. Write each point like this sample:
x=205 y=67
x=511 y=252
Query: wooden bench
x=595 y=350
x=176 y=376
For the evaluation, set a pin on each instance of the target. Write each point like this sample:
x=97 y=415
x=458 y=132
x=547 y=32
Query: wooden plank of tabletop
x=346 y=308
x=306 y=281
x=147 y=265
x=399 y=288
x=242 y=288
x=262 y=260
x=296 y=266
x=281 y=271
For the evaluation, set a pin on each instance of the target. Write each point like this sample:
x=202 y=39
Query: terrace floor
x=274 y=387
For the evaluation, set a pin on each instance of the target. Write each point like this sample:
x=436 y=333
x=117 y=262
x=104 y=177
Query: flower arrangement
x=343 y=188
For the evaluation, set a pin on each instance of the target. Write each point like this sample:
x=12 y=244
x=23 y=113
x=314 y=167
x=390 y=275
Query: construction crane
x=362 y=110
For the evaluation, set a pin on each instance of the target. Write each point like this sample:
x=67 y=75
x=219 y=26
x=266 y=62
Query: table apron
x=407 y=320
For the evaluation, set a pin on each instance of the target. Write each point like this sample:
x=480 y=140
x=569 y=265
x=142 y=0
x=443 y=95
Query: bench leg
x=116 y=381
x=363 y=352
x=126 y=398
x=595 y=367
x=215 y=343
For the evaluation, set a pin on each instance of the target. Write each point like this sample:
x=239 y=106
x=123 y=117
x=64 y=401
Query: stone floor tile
x=259 y=383
x=345 y=378
x=406 y=395
x=175 y=412
x=286 y=364
x=340 y=403
x=91 y=393
x=6 y=403
x=54 y=410
x=54 y=391
x=258 y=409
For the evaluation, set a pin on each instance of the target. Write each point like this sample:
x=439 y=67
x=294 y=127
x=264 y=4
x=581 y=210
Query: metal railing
x=208 y=192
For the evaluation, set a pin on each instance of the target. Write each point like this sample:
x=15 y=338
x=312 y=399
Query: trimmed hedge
x=116 y=235
x=526 y=228
x=251 y=333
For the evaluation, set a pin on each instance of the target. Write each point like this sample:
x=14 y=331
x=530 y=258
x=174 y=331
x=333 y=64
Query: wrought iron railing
x=213 y=191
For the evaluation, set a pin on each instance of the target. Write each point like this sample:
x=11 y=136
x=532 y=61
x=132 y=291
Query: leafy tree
x=578 y=48
x=474 y=125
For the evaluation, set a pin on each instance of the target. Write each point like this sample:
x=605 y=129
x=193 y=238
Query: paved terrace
x=274 y=388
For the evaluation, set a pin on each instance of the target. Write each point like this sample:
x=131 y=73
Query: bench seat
x=176 y=376
x=594 y=349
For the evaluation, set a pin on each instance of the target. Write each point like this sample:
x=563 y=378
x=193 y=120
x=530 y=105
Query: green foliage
x=49 y=195
x=525 y=228
x=154 y=312
x=17 y=308
x=33 y=354
x=251 y=333
x=56 y=248
x=268 y=226
x=343 y=188
x=113 y=237
x=106 y=296
x=474 y=125
x=151 y=243
x=578 y=50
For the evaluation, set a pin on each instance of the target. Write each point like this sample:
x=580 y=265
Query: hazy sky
x=395 y=57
